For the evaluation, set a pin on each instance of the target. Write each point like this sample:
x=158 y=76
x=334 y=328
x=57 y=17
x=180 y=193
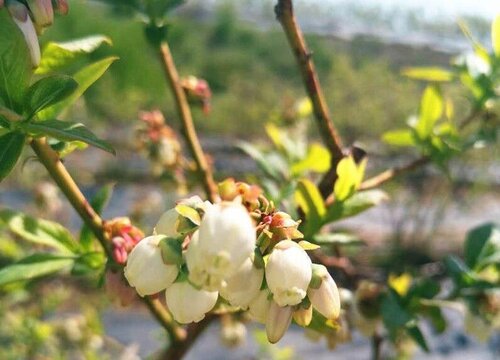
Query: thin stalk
x=50 y=159
x=330 y=136
x=188 y=128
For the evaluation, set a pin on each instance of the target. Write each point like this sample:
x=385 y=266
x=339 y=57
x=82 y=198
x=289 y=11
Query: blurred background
x=359 y=48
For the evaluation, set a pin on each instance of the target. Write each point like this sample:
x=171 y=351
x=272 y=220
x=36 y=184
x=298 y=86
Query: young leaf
x=433 y=74
x=350 y=176
x=402 y=137
x=337 y=239
x=431 y=109
x=49 y=91
x=495 y=35
x=317 y=160
x=67 y=131
x=357 y=203
x=98 y=203
x=11 y=146
x=85 y=78
x=260 y=159
x=39 y=231
x=15 y=63
x=34 y=266
x=310 y=201
x=59 y=55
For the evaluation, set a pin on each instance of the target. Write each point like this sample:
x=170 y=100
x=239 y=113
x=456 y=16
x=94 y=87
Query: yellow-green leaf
x=317 y=160
x=350 y=176
x=306 y=245
x=495 y=35
x=431 y=109
x=432 y=74
x=400 y=137
x=309 y=199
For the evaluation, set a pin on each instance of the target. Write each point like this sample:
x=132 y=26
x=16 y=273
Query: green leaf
x=309 y=199
x=15 y=63
x=306 y=245
x=39 y=231
x=11 y=145
x=401 y=137
x=357 y=203
x=433 y=74
x=34 y=266
x=416 y=334
x=171 y=251
x=49 y=91
x=261 y=160
x=495 y=35
x=481 y=245
x=431 y=109
x=317 y=160
x=85 y=78
x=98 y=203
x=189 y=213
x=394 y=315
x=67 y=131
x=337 y=239
x=59 y=55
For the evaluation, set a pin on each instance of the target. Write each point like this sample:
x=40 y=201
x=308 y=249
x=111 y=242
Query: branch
x=188 y=128
x=328 y=132
x=393 y=172
x=50 y=159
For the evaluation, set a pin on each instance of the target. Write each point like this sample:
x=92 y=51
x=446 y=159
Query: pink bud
x=61 y=6
x=42 y=11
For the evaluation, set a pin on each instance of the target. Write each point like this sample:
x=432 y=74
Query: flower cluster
x=159 y=141
x=33 y=17
x=239 y=253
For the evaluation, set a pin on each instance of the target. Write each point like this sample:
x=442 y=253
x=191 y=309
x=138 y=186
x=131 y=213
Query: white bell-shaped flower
x=145 y=269
x=288 y=273
x=167 y=225
x=258 y=309
x=226 y=238
x=241 y=288
x=278 y=321
x=325 y=299
x=188 y=304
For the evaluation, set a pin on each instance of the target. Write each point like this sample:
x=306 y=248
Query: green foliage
x=15 y=63
x=482 y=247
x=48 y=91
x=430 y=74
x=12 y=144
x=68 y=132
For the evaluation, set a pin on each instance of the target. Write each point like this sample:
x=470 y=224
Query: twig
x=50 y=159
x=328 y=132
x=188 y=128
x=393 y=172
x=377 y=346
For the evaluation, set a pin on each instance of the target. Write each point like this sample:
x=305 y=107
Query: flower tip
x=278 y=321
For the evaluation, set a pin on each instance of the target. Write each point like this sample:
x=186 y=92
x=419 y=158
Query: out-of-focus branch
x=328 y=132
x=50 y=159
x=188 y=129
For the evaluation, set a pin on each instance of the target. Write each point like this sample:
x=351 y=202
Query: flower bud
x=145 y=269
x=1 y=3
x=241 y=288
x=233 y=334
x=288 y=273
x=188 y=304
x=259 y=307
x=303 y=316
x=226 y=238
x=326 y=298
x=61 y=6
x=19 y=14
x=278 y=321
x=42 y=12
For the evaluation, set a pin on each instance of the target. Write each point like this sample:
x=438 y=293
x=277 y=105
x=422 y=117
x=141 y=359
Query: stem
x=389 y=174
x=377 y=346
x=188 y=128
x=194 y=330
x=50 y=159
x=328 y=132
